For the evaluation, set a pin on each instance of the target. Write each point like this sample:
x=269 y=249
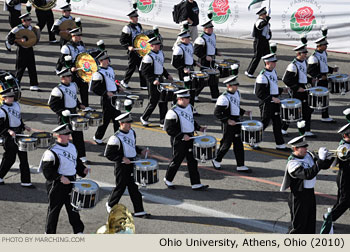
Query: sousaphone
x=67 y=25
x=32 y=37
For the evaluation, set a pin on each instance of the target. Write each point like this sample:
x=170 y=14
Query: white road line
x=206 y=211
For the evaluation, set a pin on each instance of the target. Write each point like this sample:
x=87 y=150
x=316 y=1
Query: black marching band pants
x=109 y=114
x=9 y=158
x=124 y=177
x=25 y=59
x=232 y=134
x=14 y=17
x=303 y=210
x=214 y=89
x=271 y=111
x=83 y=89
x=305 y=110
x=343 y=197
x=45 y=17
x=261 y=48
x=77 y=136
x=134 y=63
x=154 y=100
x=182 y=149
x=59 y=195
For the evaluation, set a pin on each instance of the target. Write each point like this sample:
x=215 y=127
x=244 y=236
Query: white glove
x=322 y=153
x=66 y=112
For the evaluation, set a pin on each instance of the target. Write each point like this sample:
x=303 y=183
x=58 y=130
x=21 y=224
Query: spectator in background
x=191 y=14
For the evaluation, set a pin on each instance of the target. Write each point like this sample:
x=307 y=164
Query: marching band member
x=183 y=60
x=11 y=124
x=205 y=49
x=45 y=17
x=14 y=9
x=60 y=164
x=153 y=70
x=127 y=37
x=300 y=176
x=180 y=126
x=64 y=101
x=318 y=68
x=24 y=56
x=103 y=84
x=267 y=91
x=228 y=111
x=295 y=77
x=262 y=35
x=70 y=51
x=122 y=149
x=343 y=177
x=66 y=10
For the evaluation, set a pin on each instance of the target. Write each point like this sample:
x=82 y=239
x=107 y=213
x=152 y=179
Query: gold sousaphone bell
x=48 y=6
x=67 y=26
x=32 y=37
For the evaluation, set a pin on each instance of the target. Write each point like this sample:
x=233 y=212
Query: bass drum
x=86 y=65
x=141 y=45
x=8 y=81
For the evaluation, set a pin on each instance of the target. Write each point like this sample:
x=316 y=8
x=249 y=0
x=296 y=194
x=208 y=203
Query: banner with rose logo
x=231 y=18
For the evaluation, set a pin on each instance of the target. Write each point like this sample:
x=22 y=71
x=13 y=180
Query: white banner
x=289 y=18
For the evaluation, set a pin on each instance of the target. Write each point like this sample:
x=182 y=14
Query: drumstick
x=138 y=49
x=134 y=162
x=77 y=182
x=82 y=68
x=147 y=149
x=22 y=135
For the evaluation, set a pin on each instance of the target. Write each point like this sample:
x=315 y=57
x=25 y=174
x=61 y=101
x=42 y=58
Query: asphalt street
x=234 y=202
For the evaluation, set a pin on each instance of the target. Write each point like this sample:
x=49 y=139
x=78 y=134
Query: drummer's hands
x=248 y=112
x=87 y=170
x=27 y=128
x=65 y=180
x=208 y=58
x=73 y=69
x=130 y=48
x=81 y=106
x=186 y=138
x=126 y=160
x=203 y=128
x=231 y=122
x=276 y=100
x=186 y=70
x=12 y=133
x=335 y=69
x=110 y=94
x=219 y=53
x=198 y=64
x=285 y=90
x=156 y=82
x=144 y=152
x=300 y=90
x=170 y=77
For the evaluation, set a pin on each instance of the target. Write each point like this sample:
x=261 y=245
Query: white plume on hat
x=66 y=112
x=346 y=111
x=78 y=19
x=8 y=77
x=301 y=124
x=68 y=58
x=100 y=42
x=234 y=66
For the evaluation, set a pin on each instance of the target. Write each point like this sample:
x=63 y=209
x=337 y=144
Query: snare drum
x=224 y=69
x=27 y=144
x=45 y=139
x=251 y=132
x=213 y=76
x=146 y=172
x=338 y=83
x=180 y=84
x=167 y=91
x=95 y=118
x=291 y=110
x=199 y=79
x=84 y=194
x=79 y=123
x=204 y=148
x=318 y=98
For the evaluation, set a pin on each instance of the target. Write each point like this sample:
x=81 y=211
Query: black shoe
x=2 y=183
x=202 y=188
x=256 y=147
x=143 y=216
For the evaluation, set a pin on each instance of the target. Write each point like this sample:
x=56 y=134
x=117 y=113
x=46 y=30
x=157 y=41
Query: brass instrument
x=120 y=221
x=47 y=6
x=67 y=26
x=32 y=37
x=342 y=152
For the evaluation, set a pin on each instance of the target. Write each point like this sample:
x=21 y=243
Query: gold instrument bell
x=48 y=6
x=120 y=221
x=67 y=25
x=343 y=153
x=32 y=37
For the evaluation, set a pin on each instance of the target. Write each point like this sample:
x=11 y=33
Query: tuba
x=48 y=6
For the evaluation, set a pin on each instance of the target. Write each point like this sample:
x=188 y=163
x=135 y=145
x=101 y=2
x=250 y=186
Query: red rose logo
x=145 y=2
x=304 y=16
x=220 y=7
